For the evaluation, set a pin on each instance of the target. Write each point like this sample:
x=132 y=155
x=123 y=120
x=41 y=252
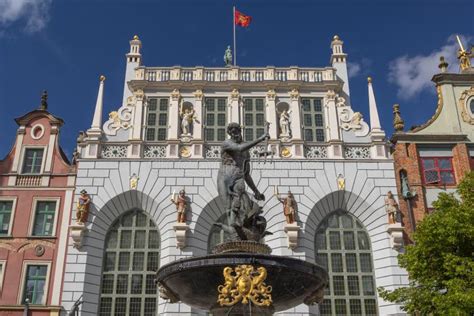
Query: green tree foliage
x=441 y=262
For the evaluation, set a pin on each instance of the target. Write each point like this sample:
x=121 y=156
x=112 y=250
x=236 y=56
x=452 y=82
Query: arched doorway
x=131 y=259
x=342 y=247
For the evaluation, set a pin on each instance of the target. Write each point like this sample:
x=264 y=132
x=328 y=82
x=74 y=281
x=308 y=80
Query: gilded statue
x=83 y=204
x=289 y=206
x=181 y=205
x=391 y=207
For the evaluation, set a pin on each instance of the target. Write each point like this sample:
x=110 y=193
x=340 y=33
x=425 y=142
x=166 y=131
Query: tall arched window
x=131 y=259
x=343 y=249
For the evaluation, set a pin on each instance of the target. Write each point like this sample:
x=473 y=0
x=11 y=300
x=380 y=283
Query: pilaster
x=136 y=131
x=173 y=115
x=197 y=125
x=295 y=115
x=271 y=113
x=234 y=107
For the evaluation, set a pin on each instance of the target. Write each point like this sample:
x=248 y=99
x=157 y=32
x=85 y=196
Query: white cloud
x=34 y=13
x=413 y=74
x=353 y=69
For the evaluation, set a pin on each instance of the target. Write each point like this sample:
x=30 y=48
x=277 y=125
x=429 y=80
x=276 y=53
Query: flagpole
x=235 y=47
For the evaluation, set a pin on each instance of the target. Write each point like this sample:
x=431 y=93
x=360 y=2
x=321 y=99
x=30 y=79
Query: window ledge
x=41 y=237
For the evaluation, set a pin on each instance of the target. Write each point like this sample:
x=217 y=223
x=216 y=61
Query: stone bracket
x=291 y=231
x=180 y=230
x=396 y=235
x=77 y=234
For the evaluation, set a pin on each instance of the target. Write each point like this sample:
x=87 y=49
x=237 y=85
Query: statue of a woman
x=285 y=123
x=187 y=118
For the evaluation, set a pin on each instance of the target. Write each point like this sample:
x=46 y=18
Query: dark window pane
x=151 y=119
x=107 y=283
x=248 y=119
x=105 y=306
x=248 y=134
x=140 y=237
x=109 y=261
x=355 y=307
x=164 y=105
x=136 y=286
x=428 y=163
x=135 y=306
x=209 y=134
x=333 y=221
x=318 y=105
x=338 y=285
x=126 y=239
x=447 y=177
x=210 y=119
x=152 y=261
x=210 y=106
x=260 y=120
x=325 y=308
x=150 y=286
x=336 y=262
x=365 y=262
x=307 y=120
x=124 y=261
x=120 y=306
x=351 y=262
x=349 y=242
x=150 y=306
x=320 y=135
x=318 y=119
x=340 y=307
x=334 y=240
x=308 y=135
x=221 y=134
x=368 y=285
x=346 y=221
x=220 y=119
x=322 y=260
x=370 y=308
x=152 y=104
x=162 y=134
x=444 y=164
x=153 y=240
x=320 y=241
x=163 y=118
x=221 y=105
x=122 y=284
x=306 y=105
x=138 y=260
x=248 y=106
x=353 y=285
x=150 y=134
x=363 y=239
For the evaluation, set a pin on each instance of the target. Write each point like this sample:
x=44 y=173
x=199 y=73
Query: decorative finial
x=336 y=37
x=443 y=65
x=44 y=100
x=136 y=38
x=369 y=79
x=398 y=123
x=102 y=78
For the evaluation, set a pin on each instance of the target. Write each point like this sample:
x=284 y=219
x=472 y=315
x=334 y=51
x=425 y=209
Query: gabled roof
x=25 y=119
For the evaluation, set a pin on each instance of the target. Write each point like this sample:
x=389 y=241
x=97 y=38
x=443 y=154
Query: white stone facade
x=119 y=151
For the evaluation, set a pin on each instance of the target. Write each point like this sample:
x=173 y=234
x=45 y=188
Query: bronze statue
x=83 y=204
x=392 y=208
x=181 y=205
x=289 y=207
x=243 y=213
x=228 y=57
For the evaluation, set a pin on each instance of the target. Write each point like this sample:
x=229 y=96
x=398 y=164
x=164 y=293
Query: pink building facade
x=36 y=194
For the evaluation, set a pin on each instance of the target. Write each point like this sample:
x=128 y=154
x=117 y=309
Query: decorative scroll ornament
x=350 y=120
x=294 y=94
x=244 y=284
x=466 y=97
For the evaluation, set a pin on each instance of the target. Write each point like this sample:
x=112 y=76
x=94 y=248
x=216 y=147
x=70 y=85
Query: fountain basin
x=194 y=281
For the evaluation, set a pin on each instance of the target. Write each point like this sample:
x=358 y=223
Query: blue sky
x=64 y=45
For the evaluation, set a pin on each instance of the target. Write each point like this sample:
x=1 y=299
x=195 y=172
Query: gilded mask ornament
x=294 y=94
x=234 y=94
x=244 y=284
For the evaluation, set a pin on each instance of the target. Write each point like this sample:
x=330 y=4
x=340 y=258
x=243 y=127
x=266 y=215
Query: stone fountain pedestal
x=195 y=281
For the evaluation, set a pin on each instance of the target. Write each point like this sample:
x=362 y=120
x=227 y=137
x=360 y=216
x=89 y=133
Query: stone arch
x=370 y=212
x=209 y=215
x=102 y=217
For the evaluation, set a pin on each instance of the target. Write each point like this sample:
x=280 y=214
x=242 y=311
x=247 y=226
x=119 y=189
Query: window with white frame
x=3 y=264
x=6 y=212
x=215 y=119
x=32 y=160
x=35 y=284
x=44 y=218
x=131 y=259
x=157 y=119
x=343 y=249
x=313 y=119
x=254 y=118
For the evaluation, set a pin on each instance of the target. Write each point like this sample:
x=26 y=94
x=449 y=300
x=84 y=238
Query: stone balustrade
x=162 y=74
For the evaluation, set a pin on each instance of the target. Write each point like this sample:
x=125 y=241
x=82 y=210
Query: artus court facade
x=165 y=138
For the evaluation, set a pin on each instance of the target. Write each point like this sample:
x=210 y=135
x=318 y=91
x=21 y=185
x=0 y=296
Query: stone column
x=271 y=113
x=198 y=108
x=134 y=150
x=295 y=115
x=332 y=126
x=233 y=115
x=173 y=126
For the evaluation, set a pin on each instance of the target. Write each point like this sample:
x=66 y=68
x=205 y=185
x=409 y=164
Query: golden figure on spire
x=464 y=56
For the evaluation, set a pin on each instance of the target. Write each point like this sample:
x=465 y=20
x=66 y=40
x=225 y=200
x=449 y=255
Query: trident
x=268 y=149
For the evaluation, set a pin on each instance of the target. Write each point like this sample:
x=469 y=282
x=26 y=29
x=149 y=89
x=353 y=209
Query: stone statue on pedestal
x=285 y=123
x=391 y=207
x=83 y=204
x=181 y=205
x=289 y=206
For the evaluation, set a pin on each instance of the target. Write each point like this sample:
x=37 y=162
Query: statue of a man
x=181 y=205
x=83 y=204
x=289 y=207
x=285 y=123
x=187 y=118
x=391 y=207
x=234 y=173
x=228 y=57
